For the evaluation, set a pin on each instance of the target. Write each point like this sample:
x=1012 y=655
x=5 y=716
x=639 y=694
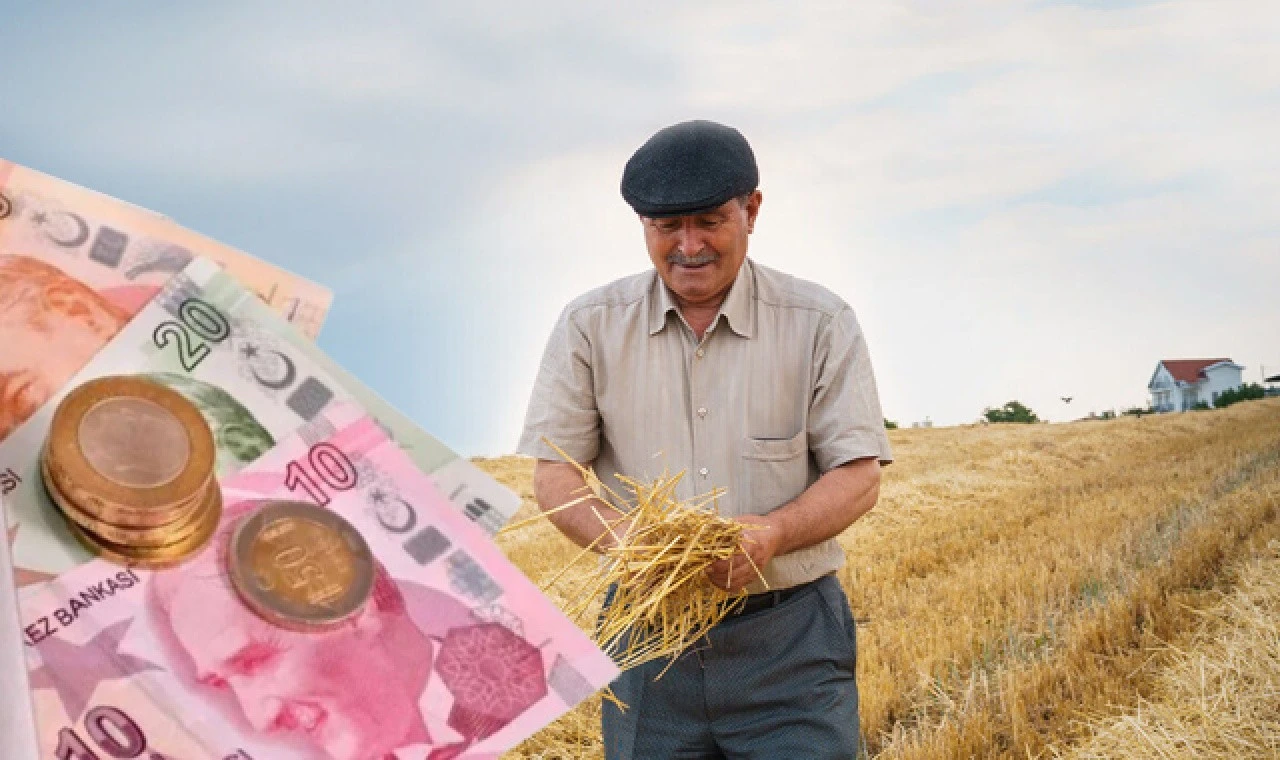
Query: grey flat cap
x=687 y=168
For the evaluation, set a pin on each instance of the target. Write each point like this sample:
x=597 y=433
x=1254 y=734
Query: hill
x=1018 y=586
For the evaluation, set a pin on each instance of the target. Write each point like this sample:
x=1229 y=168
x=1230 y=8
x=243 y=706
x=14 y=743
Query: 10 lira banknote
x=455 y=655
x=254 y=378
x=17 y=721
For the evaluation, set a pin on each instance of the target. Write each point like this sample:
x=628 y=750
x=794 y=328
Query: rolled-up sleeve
x=845 y=421
x=563 y=407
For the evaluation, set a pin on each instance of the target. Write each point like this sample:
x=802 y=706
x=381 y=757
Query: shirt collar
x=738 y=309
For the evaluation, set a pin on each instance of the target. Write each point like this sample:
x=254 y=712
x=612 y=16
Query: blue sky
x=1020 y=200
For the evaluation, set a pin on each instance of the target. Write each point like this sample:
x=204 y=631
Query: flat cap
x=689 y=167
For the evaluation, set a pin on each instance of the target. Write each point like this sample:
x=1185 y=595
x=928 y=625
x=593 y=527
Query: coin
x=300 y=566
x=135 y=446
x=134 y=442
x=157 y=557
x=117 y=514
x=158 y=536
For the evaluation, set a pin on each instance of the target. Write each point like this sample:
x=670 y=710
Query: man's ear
x=753 y=208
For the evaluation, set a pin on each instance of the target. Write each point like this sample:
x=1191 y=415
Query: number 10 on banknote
x=455 y=654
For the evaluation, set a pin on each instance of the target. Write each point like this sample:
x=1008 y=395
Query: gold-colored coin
x=300 y=566
x=141 y=450
x=157 y=557
x=118 y=514
x=151 y=537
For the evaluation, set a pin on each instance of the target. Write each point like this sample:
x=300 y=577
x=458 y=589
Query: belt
x=768 y=599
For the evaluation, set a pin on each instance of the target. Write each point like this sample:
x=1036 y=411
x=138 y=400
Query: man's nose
x=689 y=240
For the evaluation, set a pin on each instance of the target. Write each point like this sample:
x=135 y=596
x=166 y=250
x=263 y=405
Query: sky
x=1020 y=200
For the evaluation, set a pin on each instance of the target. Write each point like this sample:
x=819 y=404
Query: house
x=1273 y=385
x=1179 y=384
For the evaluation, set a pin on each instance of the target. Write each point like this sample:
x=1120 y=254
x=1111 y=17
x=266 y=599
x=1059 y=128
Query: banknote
x=455 y=655
x=17 y=722
x=254 y=378
x=76 y=265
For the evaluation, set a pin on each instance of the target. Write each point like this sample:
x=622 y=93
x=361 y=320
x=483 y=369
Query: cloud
x=1014 y=207
x=1019 y=199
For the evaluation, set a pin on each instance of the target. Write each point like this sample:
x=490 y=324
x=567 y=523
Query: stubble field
x=1089 y=589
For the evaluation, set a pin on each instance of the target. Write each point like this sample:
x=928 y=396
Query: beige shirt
x=779 y=391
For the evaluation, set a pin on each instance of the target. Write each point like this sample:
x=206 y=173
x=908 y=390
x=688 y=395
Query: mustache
x=676 y=258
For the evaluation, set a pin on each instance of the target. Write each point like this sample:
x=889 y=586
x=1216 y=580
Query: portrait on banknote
x=50 y=326
x=238 y=435
x=349 y=693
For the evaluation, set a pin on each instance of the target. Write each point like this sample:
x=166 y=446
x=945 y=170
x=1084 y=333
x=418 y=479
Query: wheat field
x=1030 y=591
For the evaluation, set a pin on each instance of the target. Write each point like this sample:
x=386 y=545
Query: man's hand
x=827 y=507
x=760 y=542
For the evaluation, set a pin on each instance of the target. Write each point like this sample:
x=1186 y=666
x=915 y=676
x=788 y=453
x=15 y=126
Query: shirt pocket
x=774 y=471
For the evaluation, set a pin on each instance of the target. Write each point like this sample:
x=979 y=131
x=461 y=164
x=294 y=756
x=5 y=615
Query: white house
x=1178 y=384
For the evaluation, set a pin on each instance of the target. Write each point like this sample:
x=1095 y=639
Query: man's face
x=347 y=692
x=698 y=255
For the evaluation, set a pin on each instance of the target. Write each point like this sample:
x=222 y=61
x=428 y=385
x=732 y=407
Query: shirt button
x=699 y=353
x=703 y=472
x=702 y=411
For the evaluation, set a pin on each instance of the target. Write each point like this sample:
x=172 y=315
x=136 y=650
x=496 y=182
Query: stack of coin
x=300 y=566
x=130 y=464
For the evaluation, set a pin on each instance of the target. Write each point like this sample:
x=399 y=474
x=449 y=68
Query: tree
x=1246 y=392
x=1013 y=411
x=890 y=424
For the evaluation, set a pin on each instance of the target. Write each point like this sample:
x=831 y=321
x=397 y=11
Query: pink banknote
x=76 y=265
x=456 y=654
x=17 y=723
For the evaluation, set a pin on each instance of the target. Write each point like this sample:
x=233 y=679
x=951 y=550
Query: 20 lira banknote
x=76 y=265
x=455 y=655
x=254 y=378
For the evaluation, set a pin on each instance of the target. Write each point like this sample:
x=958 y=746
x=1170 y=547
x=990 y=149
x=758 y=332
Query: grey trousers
x=778 y=683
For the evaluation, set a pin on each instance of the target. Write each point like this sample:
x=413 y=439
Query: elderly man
x=746 y=379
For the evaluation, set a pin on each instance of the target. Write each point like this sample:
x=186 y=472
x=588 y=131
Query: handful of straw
x=664 y=601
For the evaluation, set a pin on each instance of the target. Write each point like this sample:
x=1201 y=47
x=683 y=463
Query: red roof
x=1188 y=370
